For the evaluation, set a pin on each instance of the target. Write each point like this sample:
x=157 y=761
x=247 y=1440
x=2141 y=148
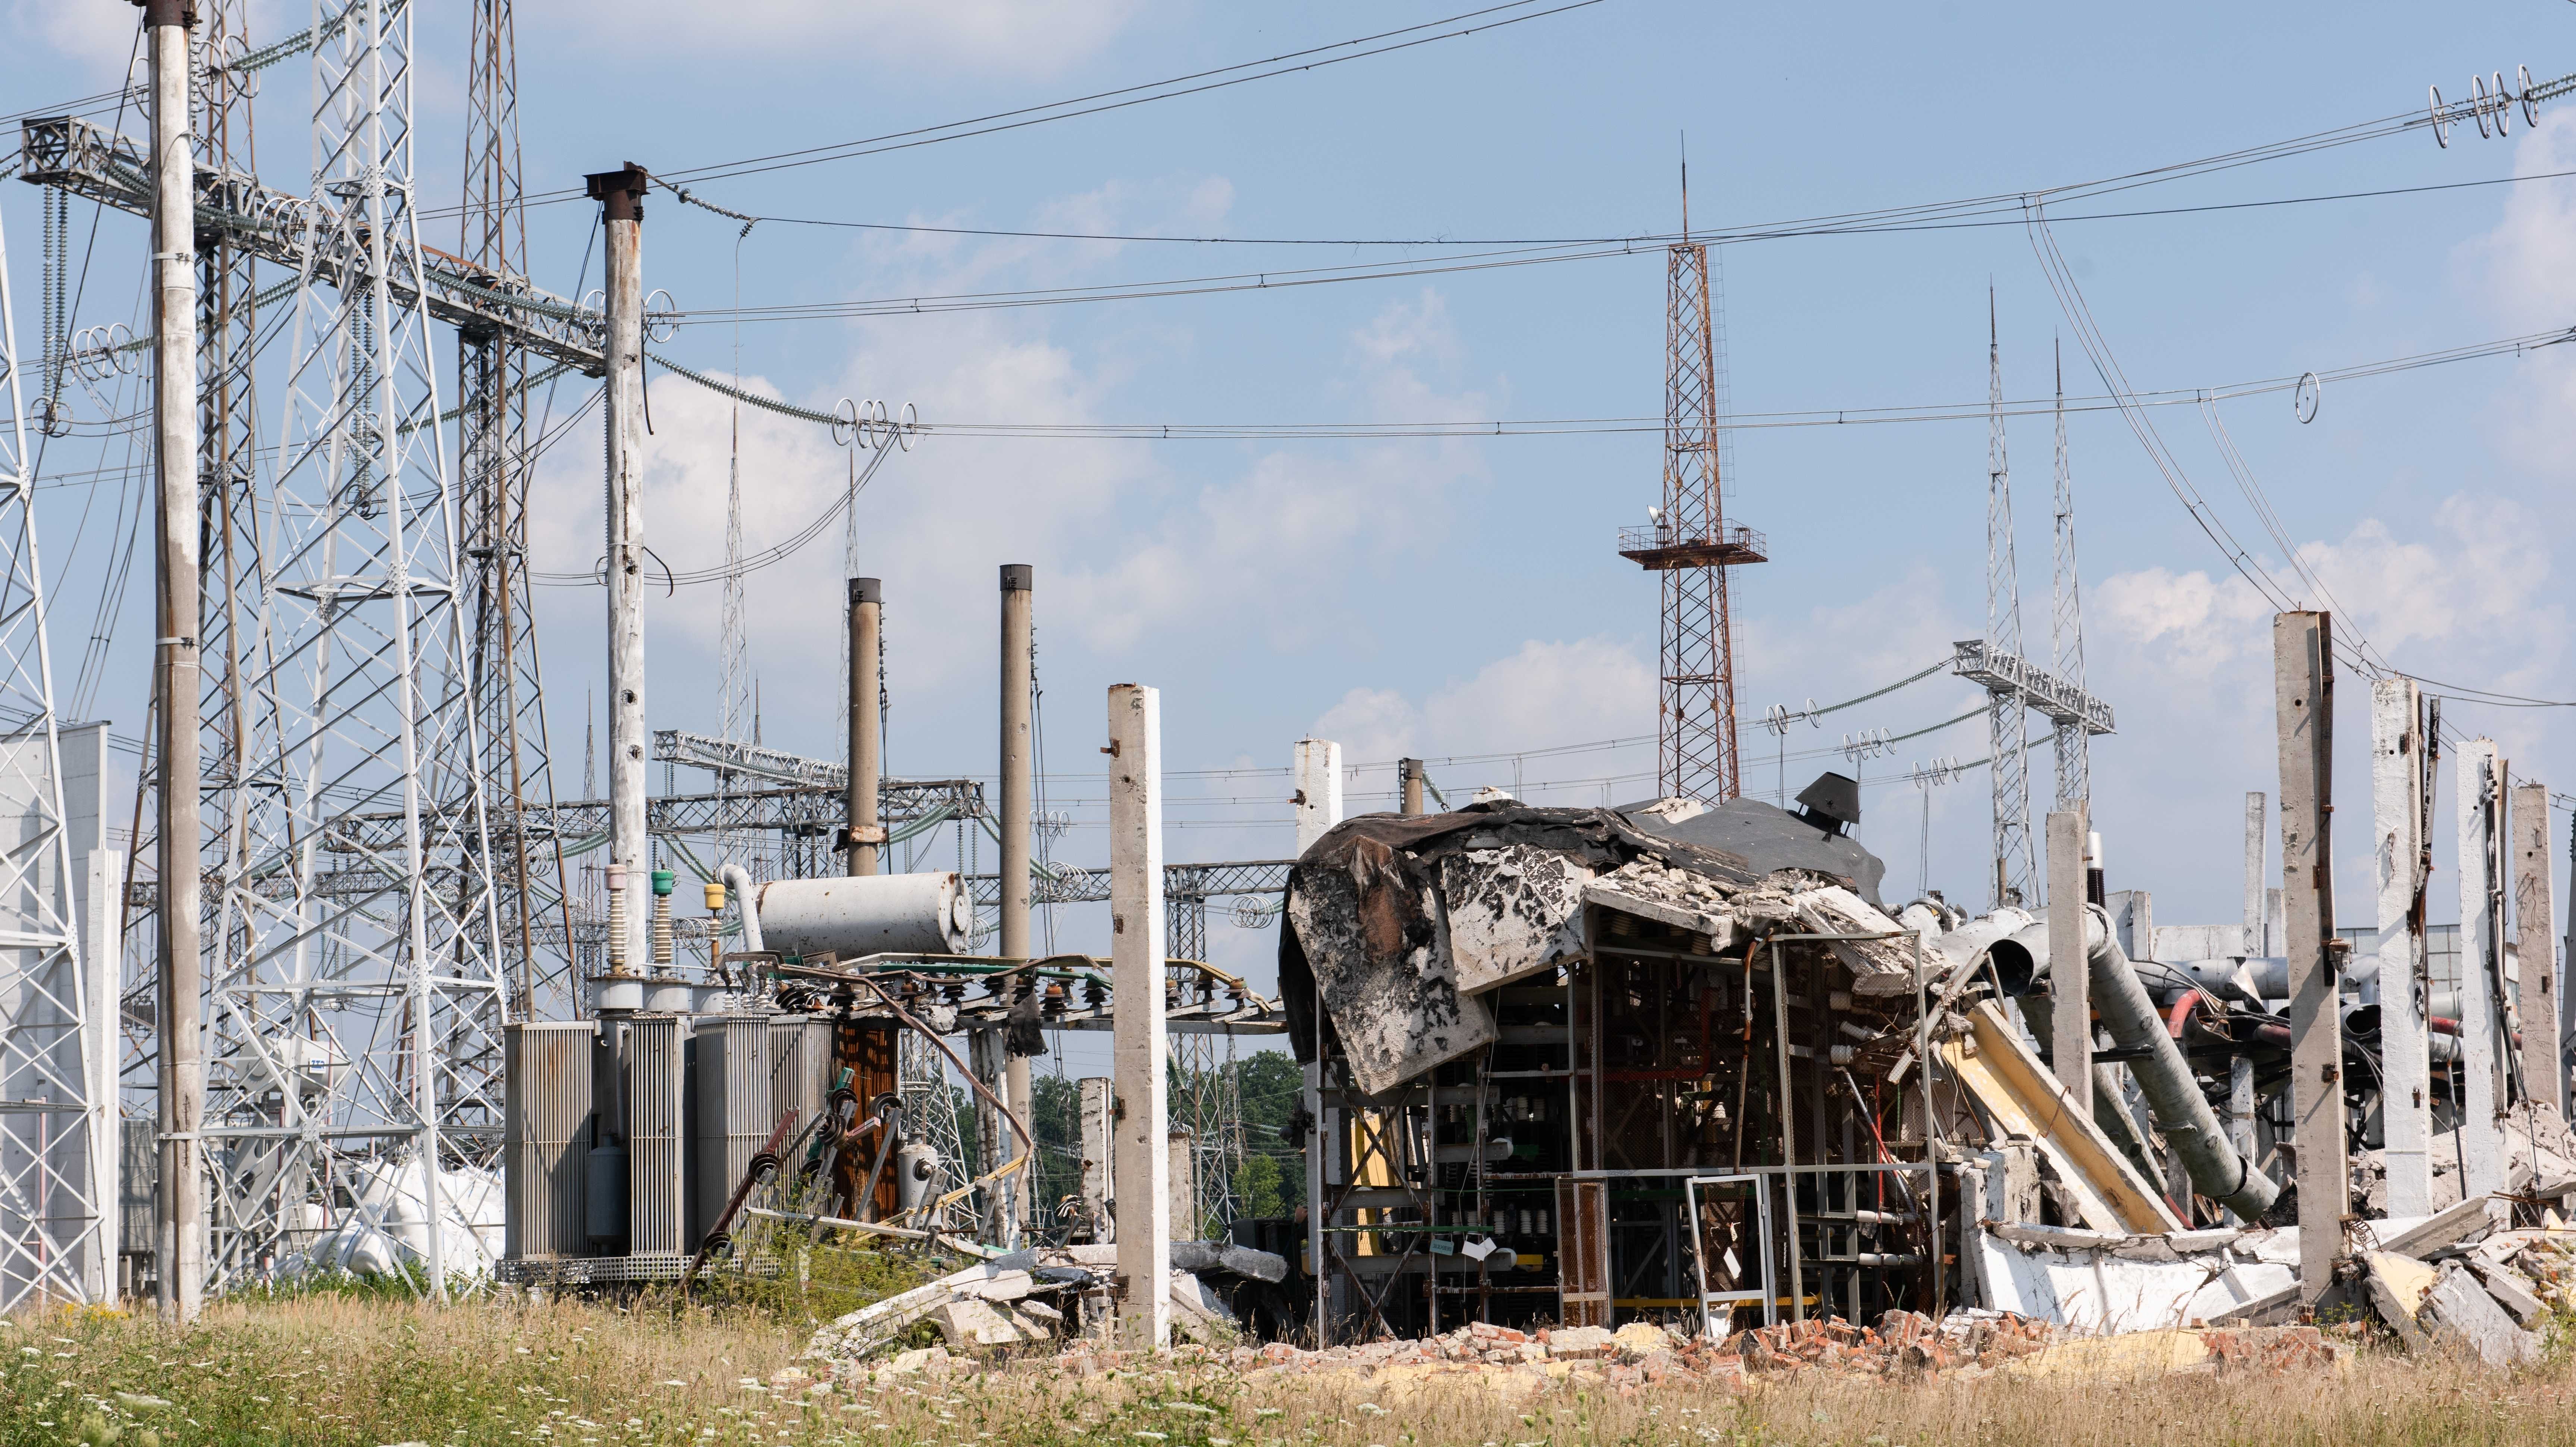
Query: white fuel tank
x=929 y=914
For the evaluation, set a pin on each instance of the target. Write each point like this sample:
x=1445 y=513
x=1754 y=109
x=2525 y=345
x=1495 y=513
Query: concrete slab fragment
x=2461 y=1316
x=1513 y=912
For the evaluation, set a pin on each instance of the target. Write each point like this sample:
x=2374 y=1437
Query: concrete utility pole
x=621 y=194
x=867 y=724
x=177 y=676
x=1142 y=1162
x=1097 y=1134
x=1319 y=790
x=2544 y=1069
x=1018 y=789
x=2481 y=1052
x=2257 y=812
x=2397 y=758
x=2303 y=693
x=2240 y=1069
x=2070 y=979
x=1408 y=773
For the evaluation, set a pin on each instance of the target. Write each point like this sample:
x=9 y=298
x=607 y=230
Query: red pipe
x=2180 y=1012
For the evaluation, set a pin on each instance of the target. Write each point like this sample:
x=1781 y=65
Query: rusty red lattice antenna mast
x=1687 y=542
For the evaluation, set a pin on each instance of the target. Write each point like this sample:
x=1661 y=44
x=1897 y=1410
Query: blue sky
x=1458 y=596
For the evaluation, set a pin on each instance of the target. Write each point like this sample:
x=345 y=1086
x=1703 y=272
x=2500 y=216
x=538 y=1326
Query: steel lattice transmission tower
x=232 y=644
x=1689 y=544
x=1210 y=1099
x=2007 y=721
x=2014 y=685
x=356 y=972
x=58 y=1119
x=494 y=470
x=2073 y=740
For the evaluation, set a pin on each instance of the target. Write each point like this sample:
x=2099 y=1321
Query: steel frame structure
x=2013 y=684
x=1690 y=547
x=2073 y=738
x=354 y=1022
x=494 y=470
x=2016 y=871
x=58 y=1125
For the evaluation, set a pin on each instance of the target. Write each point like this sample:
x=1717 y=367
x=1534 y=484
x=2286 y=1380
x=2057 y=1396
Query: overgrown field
x=367 y=1370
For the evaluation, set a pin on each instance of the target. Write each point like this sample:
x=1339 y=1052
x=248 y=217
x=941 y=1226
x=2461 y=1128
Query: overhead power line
x=1572 y=426
x=1384 y=42
x=1858 y=225
x=1508 y=256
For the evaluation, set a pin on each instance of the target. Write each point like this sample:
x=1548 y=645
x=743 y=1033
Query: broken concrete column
x=1095 y=1106
x=1141 y=1046
x=1184 y=1214
x=2303 y=697
x=1318 y=792
x=2257 y=815
x=2544 y=1068
x=2482 y=1155
x=2070 y=1047
x=2397 y=755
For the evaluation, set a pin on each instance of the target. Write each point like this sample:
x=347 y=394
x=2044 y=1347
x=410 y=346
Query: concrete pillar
x=1184 y=1185
x=1019 y=788
x=621 y=194
x=1409 y=776
x=2481 y=1056
x=2544 y=1069
x=103 y=949
x=2397 y=757
x=176 y=670
x=1140 y=1046
x=2257 y=814
x=867 y=725
x=2303 y=693
x=1318 y=796
x=2240 y=1108
x=2070 y=1046
x=1096 y=1149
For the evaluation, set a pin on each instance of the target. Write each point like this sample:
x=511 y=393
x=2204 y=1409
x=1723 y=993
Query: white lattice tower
x=57 y=1043
x=930 y=1106
x=2015 y=872
x=2066 y=624
x=494 y=468
x=356 y=980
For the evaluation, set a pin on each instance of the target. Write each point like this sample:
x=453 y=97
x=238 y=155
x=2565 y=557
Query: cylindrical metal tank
x=916 y=1175
x=604 y=1202
x=927 y=914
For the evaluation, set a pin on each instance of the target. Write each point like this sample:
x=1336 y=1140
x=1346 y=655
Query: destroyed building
x=1665 y=1062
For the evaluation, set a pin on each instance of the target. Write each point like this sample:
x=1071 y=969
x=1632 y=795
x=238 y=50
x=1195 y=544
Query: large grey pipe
x=746 y=899
x=2173 y=1096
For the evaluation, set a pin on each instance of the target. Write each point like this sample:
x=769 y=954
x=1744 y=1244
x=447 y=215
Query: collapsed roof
x=1396 y=924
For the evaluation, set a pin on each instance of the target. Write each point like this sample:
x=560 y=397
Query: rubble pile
x=1041 y=1296
x=1903 y=1346
x=2463 y=1282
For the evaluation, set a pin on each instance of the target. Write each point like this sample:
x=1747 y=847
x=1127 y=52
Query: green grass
x=338 y=1367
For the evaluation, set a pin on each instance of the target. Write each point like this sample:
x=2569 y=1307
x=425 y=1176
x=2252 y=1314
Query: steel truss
x=494 y=470
x=360 y=1021
x=1689 y=547
x=58 y=1127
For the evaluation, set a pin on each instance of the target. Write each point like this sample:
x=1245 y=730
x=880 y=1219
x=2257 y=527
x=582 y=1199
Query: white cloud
x=1014 y=37
x=2463 y=599
x=1544 y=694
x=1274 y=548
x=99 y=38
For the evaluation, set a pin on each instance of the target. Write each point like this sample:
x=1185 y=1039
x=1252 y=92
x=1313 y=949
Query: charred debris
x=1676 y=1063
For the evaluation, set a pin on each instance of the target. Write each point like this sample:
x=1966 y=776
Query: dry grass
x=332 y=1371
